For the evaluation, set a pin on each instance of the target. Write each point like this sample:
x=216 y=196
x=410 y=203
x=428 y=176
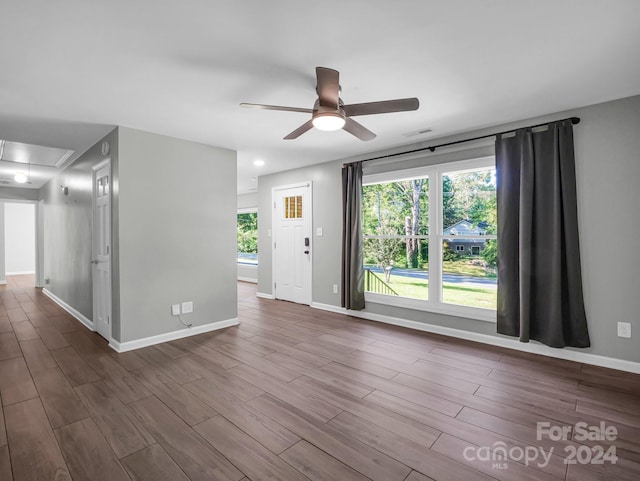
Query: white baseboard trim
x=3 y=282
x=531 y=347
x=248 y=279
x=19 y=273
x=329 y=307
x=263 y=295
x=87 y=322
x=171 y=336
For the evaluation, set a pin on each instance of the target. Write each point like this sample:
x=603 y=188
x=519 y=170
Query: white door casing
x=101 y=240
x=292 y=249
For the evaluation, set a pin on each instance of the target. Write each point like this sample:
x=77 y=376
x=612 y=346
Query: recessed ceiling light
x=20 y=178
x=258 y=162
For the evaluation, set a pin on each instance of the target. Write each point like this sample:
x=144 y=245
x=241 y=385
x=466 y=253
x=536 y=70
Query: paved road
x=452 y=278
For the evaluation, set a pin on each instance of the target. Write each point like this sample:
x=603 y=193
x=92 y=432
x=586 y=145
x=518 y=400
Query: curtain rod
x=574 y=121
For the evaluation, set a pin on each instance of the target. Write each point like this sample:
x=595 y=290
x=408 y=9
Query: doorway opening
x=18 y=263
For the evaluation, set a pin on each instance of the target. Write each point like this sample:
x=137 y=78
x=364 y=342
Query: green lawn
x=466 y=268
x=463 y=267
x=469 y=296
x=452 y=293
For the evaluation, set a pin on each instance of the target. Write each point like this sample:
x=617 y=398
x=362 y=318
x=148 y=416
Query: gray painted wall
x=248 y=201
x=18 y=193
x=177 y=233
x=67 y=229
x=607 y=169
x=327 y=213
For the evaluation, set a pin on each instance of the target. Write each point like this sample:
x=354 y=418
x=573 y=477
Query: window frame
x=435 y=237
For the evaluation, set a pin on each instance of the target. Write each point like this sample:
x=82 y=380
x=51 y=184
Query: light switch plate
x=319 y=231
x=175 y=310
x=187 y=307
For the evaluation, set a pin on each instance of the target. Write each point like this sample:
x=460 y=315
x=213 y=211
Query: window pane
x=396 y=208
x=469 y=202
x=293 y=207
x=389 y=267
x=248 y=238
x=469 y=276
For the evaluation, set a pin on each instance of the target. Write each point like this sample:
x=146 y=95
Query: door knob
x=306 y=252
x=95 y=262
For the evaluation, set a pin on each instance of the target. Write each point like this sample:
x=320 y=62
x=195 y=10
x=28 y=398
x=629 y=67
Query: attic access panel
x=33 y=154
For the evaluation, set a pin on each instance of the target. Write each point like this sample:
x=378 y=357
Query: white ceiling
x=72 y=70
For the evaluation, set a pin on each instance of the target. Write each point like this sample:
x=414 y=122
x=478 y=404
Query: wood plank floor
x=295 y=393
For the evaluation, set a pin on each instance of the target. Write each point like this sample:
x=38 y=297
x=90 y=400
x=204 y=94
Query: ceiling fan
x=330 y=113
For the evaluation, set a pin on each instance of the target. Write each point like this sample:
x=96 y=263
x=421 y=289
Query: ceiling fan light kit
x=20 y=178
x=328 y=120
x=330 y=113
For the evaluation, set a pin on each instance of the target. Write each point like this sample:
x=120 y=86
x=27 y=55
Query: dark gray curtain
x=352 y=292
x=539 y=275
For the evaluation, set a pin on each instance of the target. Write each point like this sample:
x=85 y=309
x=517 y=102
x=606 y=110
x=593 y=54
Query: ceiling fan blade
x=299 y=131
x=383 y=107
x=359 y=130
x=276 y=107
x=328 y=87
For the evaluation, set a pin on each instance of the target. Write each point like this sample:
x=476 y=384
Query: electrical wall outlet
x=187 y=307
x=335 y=288
x=175 y=309
x=624 y=329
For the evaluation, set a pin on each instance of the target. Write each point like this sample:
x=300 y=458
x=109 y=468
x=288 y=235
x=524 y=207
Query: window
x=429 y=238
x=396 y=241
x=248 y=237
x=292 y=207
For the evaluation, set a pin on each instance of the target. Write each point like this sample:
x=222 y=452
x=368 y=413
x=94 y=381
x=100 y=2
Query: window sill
x=475 y=313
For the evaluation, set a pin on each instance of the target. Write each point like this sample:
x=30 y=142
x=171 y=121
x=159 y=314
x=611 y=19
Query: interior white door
x=292 y=247
x=101 y=262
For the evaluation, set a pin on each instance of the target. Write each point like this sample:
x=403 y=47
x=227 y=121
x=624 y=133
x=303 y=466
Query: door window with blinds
x=292 y=207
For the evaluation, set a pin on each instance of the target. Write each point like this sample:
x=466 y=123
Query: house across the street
x=460 y=243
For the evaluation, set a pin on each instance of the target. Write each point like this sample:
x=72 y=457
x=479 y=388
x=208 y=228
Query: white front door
x=101 y=262
x=292 y=247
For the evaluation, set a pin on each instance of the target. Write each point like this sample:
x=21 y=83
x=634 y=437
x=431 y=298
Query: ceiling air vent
x=413 y=133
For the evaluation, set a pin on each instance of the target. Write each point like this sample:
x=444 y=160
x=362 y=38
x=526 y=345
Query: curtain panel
x=352 y=292
x=539 y=276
